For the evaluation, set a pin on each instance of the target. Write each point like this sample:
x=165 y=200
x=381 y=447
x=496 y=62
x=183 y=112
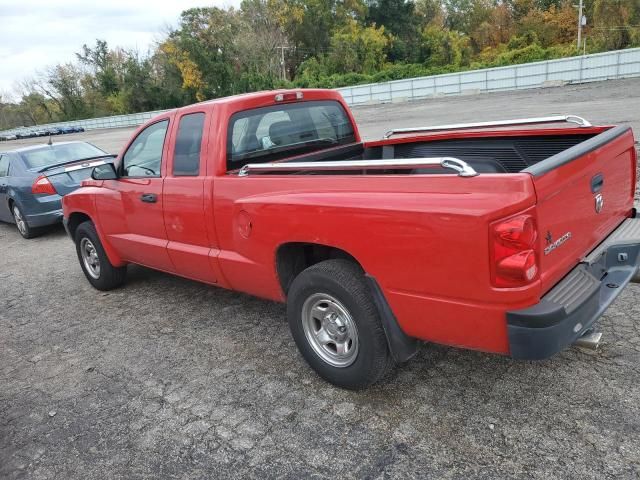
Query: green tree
x=613 y=23
x=259 y=46
x=204 y=50
x=309 y=24
x=358 y=49
x=399 y=18
x=466 y=15
x=103 y=64
x=441 y=47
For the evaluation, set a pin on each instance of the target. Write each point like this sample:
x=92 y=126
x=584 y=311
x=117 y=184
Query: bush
x=314 y=76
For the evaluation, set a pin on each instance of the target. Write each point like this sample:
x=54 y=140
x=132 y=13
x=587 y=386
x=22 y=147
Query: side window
x=4 y=165
x=186 y=160
x=143 y=158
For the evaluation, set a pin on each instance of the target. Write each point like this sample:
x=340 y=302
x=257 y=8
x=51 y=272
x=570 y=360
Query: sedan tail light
x=42 y=186
x=514 y=257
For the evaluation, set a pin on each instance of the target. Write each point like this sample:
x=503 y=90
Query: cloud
x=36 y=34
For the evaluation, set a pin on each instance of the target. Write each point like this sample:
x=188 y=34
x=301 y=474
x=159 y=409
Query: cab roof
x=263 y=97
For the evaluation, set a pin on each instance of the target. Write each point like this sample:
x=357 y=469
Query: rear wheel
x=94 y=261
x=21 y=223
x=336 y=325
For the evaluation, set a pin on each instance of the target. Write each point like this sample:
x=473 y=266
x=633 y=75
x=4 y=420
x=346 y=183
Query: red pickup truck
x=496 y=236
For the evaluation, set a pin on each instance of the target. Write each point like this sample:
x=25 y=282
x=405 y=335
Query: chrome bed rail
x=499 y=123
x=460 y=166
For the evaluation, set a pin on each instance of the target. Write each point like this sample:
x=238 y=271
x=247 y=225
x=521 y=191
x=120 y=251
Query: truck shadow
x=437 y=375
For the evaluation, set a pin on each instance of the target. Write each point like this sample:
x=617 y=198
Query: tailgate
x=583 y=193
x=67 y=178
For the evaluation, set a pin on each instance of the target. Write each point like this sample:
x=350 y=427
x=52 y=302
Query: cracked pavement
x=169 y=378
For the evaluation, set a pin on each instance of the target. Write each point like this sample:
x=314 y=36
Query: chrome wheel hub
x=90 y=258
x=20 y=223
x=330 y=330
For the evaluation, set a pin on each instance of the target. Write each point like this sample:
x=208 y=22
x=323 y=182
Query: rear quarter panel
x=20 y=182
x=424 y=238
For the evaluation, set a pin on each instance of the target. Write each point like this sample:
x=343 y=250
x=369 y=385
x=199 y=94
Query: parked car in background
x=70 y=129
x=24 y=134
x=507 y=240
x=34 y=179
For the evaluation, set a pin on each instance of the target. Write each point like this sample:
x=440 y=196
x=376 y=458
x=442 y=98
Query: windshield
x=280 y=131
x=49 y=155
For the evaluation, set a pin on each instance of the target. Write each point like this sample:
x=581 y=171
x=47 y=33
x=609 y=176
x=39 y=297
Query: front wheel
x=336 y=325
x=94 y=261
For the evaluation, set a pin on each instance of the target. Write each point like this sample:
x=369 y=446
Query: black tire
x=107 y=277
x=22 y=225
x=344 y=281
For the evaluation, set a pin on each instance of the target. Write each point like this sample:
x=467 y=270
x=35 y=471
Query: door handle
x=149 y=197
x=596 y=183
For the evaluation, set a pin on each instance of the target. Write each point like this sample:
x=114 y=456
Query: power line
x=619 y=27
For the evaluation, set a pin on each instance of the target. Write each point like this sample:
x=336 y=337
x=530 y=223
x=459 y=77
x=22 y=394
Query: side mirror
x=104 y=172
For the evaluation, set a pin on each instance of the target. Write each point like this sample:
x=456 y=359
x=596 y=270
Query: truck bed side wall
x=424 y=238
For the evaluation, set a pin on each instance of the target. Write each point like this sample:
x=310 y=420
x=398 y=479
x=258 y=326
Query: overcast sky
x=38 y=33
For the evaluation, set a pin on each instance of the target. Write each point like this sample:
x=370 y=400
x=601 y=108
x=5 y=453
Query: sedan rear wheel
x=21 y=223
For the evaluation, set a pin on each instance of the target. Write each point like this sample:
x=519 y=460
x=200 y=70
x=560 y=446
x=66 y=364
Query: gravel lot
x=168 y=378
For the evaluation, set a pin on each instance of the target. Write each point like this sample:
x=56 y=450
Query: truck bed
x=491 y=153
x=569 y=168
x=485 y=155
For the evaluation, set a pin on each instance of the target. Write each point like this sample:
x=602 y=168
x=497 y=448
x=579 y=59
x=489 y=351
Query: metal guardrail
x=586 y=68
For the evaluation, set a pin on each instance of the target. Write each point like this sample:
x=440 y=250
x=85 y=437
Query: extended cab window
x=186 y=160
x=143 y=158
x=4 y=165
x=280 y=131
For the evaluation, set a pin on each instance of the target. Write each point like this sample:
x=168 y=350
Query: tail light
x=514 y=259
x=42 y=186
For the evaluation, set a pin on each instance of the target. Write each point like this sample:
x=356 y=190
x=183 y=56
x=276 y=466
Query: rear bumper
x=42 y=210
x=46 y=218
x=567 y=311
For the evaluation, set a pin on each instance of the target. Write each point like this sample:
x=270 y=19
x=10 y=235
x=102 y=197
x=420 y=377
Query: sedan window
x=57 y=154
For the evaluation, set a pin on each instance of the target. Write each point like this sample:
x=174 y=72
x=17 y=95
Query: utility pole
x=283 y=68
x=580 y=24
